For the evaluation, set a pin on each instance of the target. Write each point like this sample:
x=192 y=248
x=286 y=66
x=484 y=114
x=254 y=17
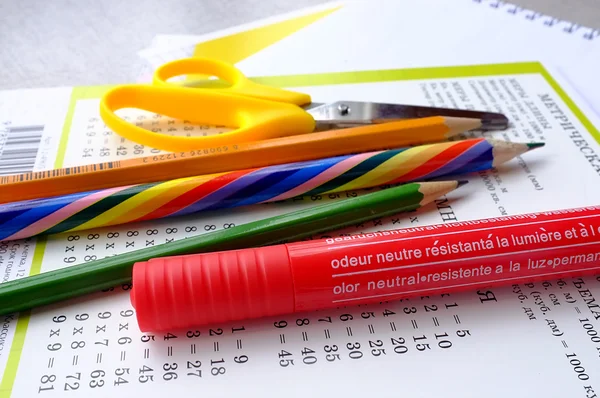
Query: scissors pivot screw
x=344 y=109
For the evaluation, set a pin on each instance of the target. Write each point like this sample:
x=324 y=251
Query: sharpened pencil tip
x=461 y=183
x=533 y=145
x=459 y=125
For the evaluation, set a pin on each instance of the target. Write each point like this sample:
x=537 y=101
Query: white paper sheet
x=451 y=346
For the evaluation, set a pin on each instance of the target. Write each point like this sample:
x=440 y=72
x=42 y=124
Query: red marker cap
x=176 y=292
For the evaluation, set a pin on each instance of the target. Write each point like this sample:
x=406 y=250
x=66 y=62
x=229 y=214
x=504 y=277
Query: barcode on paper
x=19 y=147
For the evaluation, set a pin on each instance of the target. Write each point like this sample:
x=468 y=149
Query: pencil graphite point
x=506 y=150
x=435 y=189
x=533 y=145
x=458 y=125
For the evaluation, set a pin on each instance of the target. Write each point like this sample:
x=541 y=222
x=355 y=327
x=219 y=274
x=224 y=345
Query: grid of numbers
x=91 y=141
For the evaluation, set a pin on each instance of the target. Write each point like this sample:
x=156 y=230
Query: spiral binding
x=567 y=27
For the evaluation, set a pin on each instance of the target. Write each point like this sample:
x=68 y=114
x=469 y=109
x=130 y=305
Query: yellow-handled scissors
x=256 y=112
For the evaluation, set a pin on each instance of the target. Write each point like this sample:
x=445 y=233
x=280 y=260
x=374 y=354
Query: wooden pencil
x=232 y=157
x=210 y=192
x=77 y=280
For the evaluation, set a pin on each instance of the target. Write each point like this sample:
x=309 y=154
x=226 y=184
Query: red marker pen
x=193 y=290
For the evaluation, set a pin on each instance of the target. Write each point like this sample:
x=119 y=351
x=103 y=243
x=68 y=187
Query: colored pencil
x=122 y=205
x=73 y=281
x=170 y=166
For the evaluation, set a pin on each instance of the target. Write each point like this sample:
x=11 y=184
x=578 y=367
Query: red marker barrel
x=181 y=291
x=186 y=291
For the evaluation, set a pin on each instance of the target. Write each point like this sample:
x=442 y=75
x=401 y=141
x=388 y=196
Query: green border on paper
x=14 y=355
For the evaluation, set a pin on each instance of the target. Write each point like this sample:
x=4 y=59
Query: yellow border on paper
x=379 y=76
x=78 y=93
x=16 y=348
x=319 y=79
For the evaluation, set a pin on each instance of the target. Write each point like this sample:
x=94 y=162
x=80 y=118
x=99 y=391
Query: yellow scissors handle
x=239 y=84
x=255 y=112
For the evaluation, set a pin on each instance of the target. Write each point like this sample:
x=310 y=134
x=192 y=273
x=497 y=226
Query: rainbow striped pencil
x=190 y=195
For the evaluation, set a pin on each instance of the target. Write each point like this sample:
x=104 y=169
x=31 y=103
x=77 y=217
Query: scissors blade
x=353 y=113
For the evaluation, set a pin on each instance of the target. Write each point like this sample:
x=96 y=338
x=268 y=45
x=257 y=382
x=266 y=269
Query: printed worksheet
x=533 y=339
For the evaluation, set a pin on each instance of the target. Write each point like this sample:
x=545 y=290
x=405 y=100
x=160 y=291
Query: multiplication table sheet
x=526 y=339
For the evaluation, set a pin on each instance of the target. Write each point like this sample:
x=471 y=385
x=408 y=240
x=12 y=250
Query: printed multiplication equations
x=101 y=349
x=95 y=142
x=542 y=336
x=95 y=345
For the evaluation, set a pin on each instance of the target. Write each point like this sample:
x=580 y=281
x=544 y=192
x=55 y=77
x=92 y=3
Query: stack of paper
x=403 y=34
x=525 y=340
